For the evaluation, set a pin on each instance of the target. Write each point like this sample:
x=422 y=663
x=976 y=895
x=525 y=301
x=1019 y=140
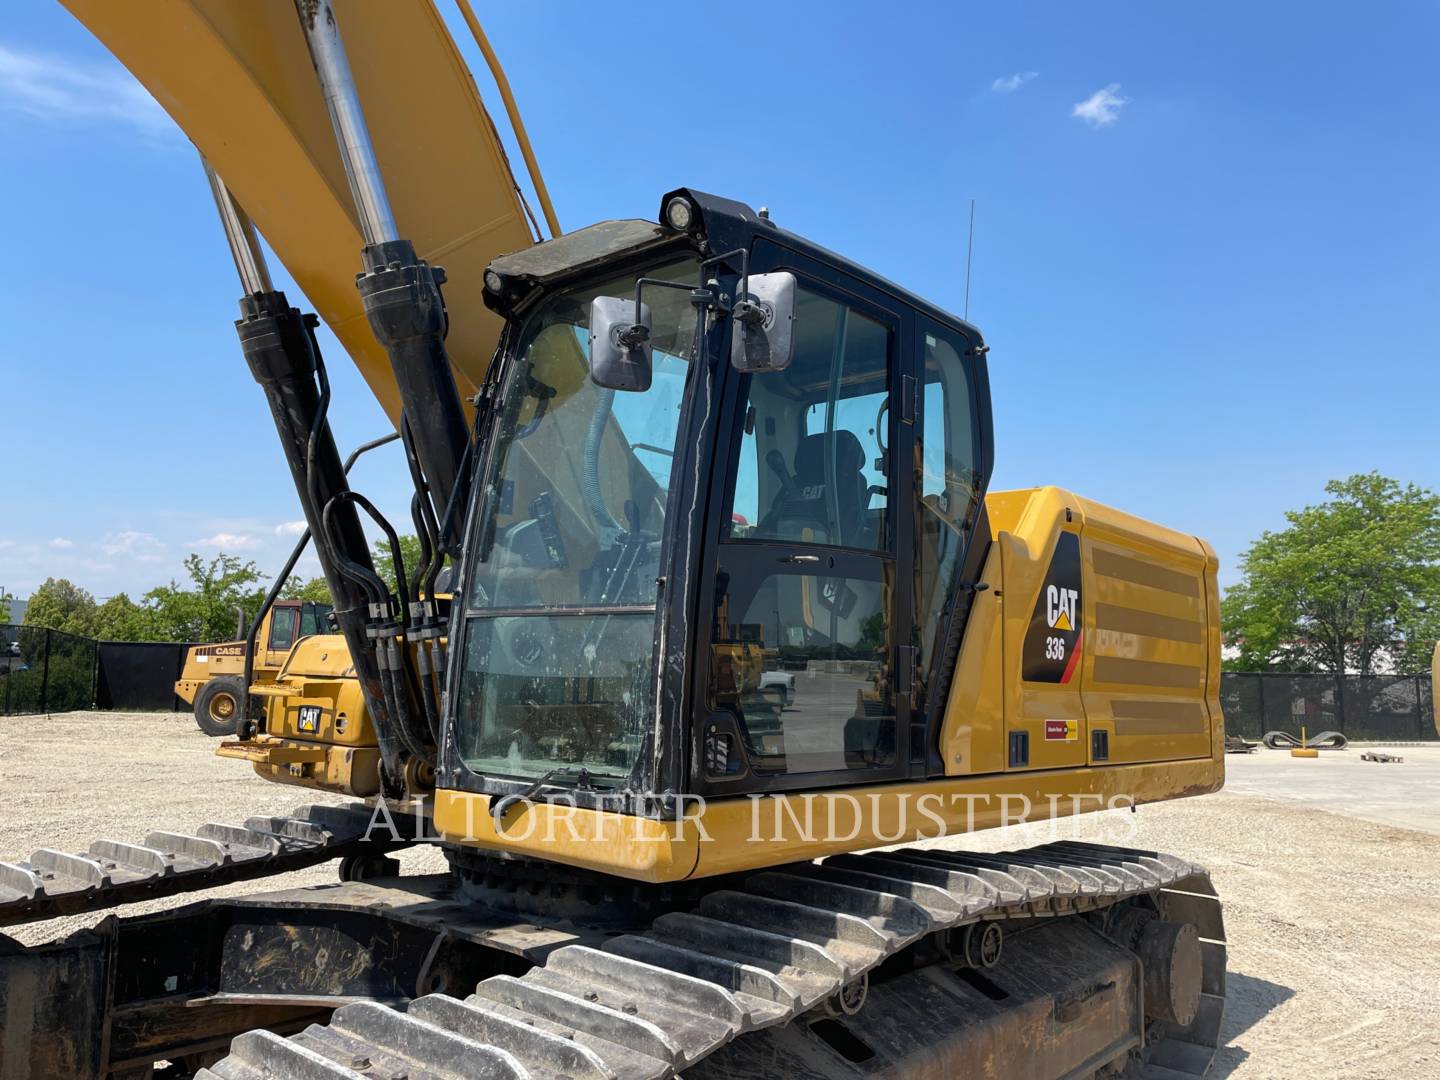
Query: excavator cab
x=641 y=565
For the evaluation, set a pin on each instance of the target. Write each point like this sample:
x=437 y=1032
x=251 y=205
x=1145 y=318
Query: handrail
x=513 y=111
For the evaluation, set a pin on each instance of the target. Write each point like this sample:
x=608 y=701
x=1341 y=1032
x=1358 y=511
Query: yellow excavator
x=678 y=465
x=212 y=679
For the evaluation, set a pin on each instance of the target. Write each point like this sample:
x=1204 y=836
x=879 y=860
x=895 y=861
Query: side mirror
x=620 y=352
x=764 y=334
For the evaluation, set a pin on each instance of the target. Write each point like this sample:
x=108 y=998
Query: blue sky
x=1205 y=249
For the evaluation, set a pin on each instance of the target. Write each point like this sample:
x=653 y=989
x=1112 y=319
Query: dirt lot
x=1330 y=873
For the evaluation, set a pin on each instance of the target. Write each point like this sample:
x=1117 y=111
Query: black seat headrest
x=810 y=455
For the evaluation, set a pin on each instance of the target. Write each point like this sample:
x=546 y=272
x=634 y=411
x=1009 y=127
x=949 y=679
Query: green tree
x=385 y=565
x=317 y=589
x=1348 y=586
x=206 y=611
x=5 y=598
x=60 y=604
x=121 y=619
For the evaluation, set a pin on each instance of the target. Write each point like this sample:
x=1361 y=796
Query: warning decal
x=1062 y=730
x=1053 y=641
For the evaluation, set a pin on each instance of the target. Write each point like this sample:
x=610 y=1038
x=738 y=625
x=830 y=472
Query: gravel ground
x=1333 y=919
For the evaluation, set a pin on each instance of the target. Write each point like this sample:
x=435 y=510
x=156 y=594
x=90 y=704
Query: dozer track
x=53 y=883
x=655 y=1004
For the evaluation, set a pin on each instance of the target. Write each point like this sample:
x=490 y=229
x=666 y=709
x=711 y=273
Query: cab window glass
x=811 y=467
x=949 y=486
x=312 y=618
x=282 y=628
x=802 y=662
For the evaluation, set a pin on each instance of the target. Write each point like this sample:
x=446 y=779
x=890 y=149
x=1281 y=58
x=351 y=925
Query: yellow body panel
x=1026 y=549
x=238 y=80
x=638 y=848
x=319 y=672
x=734 y=835
x=1151 y=670
x=973 y=736
x=1148 y=674
x=341 y=769
x=318 y=733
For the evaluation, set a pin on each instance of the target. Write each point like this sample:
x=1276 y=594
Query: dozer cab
x=213 y=678
x=700 y=452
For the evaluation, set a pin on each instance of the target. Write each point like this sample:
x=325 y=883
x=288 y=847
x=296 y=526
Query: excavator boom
x=238 y=81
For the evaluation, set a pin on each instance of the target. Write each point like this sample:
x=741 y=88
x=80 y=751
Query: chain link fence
x=45 y=670
x=1379 y=708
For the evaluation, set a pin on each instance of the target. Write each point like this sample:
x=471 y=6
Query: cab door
x=806 y=670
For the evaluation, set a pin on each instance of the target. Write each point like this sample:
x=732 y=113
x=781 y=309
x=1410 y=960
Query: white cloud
x=1102 y=108
x=290 y=528
x=62 y=544
x=229 y=540
x=67 y=90
x=1008 y=84
x=136 y=546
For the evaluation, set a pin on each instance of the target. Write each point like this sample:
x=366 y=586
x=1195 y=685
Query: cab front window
x=561 y=594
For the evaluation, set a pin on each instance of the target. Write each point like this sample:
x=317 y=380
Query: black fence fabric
x=44 y=670
x=139 y=676
x=1380 y=708
x=48 y=671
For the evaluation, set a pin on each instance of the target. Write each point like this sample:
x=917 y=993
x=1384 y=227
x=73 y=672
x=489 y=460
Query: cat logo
x=1060 y=606
x=1051 y=652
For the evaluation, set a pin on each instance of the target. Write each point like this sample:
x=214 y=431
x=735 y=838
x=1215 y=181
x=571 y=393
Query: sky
x=1205 y=247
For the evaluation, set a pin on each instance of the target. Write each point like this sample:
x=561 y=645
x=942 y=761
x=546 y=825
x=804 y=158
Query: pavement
x=1405 y=794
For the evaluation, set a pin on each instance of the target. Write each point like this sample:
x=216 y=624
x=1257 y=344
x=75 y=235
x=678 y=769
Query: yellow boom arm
x=237 y=78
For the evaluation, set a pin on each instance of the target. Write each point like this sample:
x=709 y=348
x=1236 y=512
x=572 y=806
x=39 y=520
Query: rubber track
x=650 y=1005
x=53 y=883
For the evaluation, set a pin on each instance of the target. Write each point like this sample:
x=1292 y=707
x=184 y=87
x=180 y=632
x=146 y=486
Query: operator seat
x=804 y=505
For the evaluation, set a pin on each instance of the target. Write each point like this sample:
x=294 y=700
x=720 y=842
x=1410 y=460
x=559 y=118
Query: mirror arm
x=637 y=334
x=716 y=302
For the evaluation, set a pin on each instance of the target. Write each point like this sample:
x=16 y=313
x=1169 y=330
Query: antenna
x=969 y=248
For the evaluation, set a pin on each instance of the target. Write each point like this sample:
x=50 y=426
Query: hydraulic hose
x=388 y=631
x=590 y=462
x=299 y=549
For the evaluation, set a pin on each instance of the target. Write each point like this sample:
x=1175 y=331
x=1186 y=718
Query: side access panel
x=1152 y=626
x=1044 y=637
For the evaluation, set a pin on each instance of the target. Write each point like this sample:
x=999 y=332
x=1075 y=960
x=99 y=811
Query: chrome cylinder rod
x=332 y=67
x=240 y=235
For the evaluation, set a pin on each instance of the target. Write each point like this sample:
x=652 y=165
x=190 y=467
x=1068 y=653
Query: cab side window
x=811 y=468
x=282 y=628
x=312 y=618
x=950 y=488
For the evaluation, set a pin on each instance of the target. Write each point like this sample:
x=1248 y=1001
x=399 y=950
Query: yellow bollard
x=1302 y=750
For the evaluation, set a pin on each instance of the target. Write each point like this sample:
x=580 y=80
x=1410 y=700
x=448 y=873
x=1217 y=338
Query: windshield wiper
x=583 y=782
